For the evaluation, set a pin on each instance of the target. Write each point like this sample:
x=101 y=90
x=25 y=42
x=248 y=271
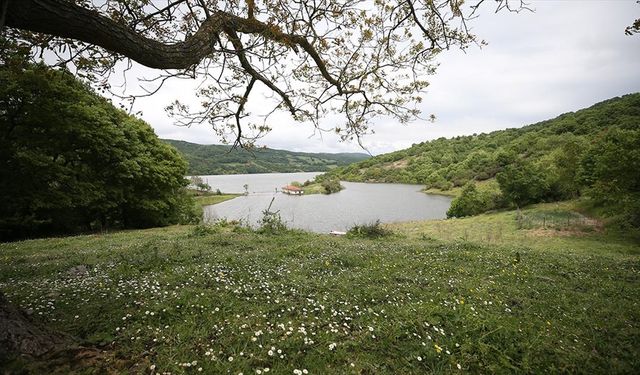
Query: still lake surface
x=358 y=203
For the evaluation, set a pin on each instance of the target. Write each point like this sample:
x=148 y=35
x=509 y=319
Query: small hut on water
x=292 y=190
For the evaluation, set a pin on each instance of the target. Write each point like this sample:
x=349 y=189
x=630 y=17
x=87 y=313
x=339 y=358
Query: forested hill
x=555 y=145
x=218 y=159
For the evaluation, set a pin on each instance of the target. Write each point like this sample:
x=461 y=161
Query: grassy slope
x=219 y=159
x=406 y=304
x=207 y=200
x=547 y=227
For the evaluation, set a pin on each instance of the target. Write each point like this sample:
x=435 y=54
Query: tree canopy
x=354 y=57
x=70 y=161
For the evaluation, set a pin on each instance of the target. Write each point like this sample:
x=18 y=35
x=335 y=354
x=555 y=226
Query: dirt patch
x=397 y=164
x=565 y=232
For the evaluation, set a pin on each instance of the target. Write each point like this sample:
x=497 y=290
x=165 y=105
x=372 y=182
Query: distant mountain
x=446 y=163
x=220 y=159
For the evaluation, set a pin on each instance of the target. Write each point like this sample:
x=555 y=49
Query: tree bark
x=65 y=19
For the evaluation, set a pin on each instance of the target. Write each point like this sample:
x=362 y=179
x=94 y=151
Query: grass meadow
x=478 y=295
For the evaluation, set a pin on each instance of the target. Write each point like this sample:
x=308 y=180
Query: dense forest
x=592 y=153
x=71 y=162
x=220 y=159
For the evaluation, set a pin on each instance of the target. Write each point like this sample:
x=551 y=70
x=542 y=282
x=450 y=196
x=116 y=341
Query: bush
x=470 y=202
x=331 y=186
x=216 y=226
x=373 y=230
x=271 y=222
x=204 y=230
x=523 y=182
x=609 y=171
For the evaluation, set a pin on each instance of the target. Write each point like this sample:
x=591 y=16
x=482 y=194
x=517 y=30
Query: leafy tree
x=357 y=58
x=563 y=182
x=522 y=183
x=470 y=202
x=70 y=161
x=609 y=170
x=199 y=183
x=331 y=185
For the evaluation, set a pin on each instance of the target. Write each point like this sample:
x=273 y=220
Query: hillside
x=447 y=163
x=219 y=159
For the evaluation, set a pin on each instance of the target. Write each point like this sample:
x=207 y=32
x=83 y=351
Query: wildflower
x=332 y=346
x=459 y=367
x=230 y=359
x=419 y=359
x=438 y=348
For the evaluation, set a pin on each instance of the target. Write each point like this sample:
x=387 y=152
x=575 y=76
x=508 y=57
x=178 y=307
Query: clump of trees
x=470 y=202
x=199 y=184
x=331 y=185
x=71 y=162
x=610 y=173
x=523 y=182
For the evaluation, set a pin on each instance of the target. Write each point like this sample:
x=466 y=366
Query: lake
x=358 y=203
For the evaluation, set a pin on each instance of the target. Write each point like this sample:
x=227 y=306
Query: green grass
x=546 y=227
x=207 y=200
x=230 y=300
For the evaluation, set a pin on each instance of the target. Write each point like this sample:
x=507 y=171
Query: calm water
x=358 y=203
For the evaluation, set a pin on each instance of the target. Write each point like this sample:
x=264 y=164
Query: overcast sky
x=564 y=56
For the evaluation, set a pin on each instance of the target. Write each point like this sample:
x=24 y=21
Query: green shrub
x=373 y=230
x=523 y=182
x=271 y=222
x=470 y=202
x=610 y=172
x=204 y=230
x=331 y=186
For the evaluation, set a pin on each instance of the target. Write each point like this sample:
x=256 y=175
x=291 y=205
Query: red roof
x=291 y=187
